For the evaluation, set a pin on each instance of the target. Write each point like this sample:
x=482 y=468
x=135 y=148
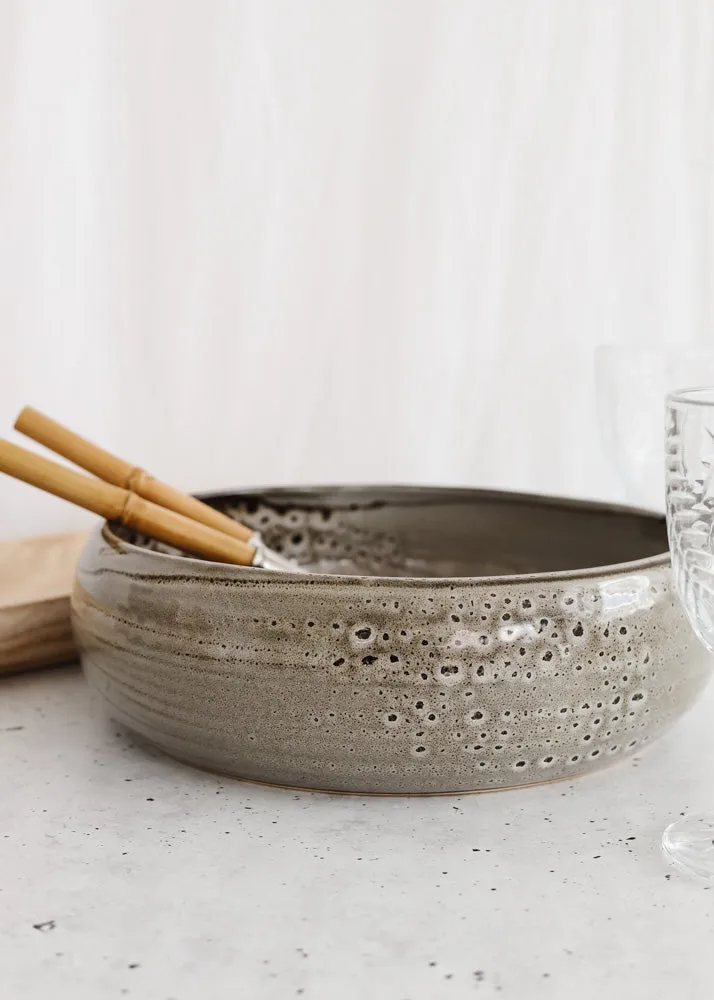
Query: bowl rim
x=456 y=493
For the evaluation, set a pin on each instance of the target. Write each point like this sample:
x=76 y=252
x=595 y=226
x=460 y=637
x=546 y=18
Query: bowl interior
x=437 y=532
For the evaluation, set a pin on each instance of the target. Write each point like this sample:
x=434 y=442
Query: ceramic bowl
x=448 y=640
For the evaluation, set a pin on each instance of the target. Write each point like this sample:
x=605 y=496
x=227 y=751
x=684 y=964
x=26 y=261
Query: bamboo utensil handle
x=111 y=469
x=102 y=498
x=116 y=504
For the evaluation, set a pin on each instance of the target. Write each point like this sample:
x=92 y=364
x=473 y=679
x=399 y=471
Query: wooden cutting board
x=36 y=577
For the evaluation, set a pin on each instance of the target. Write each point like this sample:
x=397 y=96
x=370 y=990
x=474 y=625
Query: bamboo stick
x=116 y=471
x=116 y=504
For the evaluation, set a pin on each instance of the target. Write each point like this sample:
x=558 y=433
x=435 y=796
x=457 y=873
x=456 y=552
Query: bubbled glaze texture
x=376 y=684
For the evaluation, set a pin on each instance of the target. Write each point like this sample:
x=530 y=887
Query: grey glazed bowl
x=488 y=653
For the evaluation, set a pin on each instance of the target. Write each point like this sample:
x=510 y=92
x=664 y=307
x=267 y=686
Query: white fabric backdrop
x=322 y=240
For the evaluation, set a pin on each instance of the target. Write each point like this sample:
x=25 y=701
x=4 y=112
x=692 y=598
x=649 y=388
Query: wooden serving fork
x=123 y=492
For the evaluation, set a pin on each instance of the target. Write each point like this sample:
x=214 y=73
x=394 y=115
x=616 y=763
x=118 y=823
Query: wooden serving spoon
x=90 y=457
x=116 y=504
x=132 y=480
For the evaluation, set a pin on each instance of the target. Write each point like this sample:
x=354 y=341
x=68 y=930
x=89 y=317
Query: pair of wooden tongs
x=122 y=492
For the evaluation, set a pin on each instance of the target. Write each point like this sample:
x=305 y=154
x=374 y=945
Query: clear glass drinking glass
x=689 y=478
x=632 y=383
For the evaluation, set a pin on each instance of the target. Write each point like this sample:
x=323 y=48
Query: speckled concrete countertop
x=123 y=873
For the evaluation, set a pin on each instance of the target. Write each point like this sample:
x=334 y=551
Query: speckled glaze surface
x=478 y=652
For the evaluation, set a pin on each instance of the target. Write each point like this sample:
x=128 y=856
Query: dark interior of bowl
x=424 y=531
